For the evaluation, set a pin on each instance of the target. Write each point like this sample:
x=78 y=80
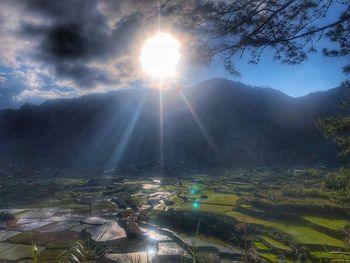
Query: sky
x=68 y=48
x=317 y=73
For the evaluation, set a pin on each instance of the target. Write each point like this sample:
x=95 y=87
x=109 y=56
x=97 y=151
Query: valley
x=187 y=131
x=275 y=215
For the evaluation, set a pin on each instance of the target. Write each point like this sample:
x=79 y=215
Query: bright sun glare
x=160 y=55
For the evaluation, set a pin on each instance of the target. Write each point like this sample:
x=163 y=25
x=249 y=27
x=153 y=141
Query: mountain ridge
x=231 y=125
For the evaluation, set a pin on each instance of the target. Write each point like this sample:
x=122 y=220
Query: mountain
x=230 y=125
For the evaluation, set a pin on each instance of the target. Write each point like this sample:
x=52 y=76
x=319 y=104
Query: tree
x=291 y=28
x=338 y=128
x=338 y=183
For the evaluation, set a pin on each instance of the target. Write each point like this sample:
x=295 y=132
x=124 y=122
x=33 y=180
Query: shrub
x=204 y=197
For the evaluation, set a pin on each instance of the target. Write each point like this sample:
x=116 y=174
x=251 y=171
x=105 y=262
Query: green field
x=302 y=234
x=276 y=244
x=260 y=246
x=223 y=201
x=283 y=210
x=331 y=223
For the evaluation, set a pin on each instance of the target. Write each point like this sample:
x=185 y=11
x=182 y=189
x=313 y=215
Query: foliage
x=82 y=252
x=338 y=128
x=339 y=183
x=250 y=254
x=290 y=28
x=35 y=253
x=193 y=248
x=301 y=254
x=77 y=253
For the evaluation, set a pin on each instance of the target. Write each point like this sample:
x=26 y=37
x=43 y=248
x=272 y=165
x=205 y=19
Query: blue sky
x=62 y=49
x=317 y=73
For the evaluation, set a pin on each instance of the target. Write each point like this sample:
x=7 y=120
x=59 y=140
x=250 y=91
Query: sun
x=160 y=55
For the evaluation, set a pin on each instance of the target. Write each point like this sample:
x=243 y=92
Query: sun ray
x=125 y=137
x=161 y=129
x=197 y=121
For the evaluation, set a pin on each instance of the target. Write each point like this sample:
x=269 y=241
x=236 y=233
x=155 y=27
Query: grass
x=302 y=234
x=18 y=251
x=75 y=207
x=273 y=258
x=139 y=199
x=260 y=246
x=219 y=203
x=276 y=244
x=177 y=200
x=306 y=235
x=224 y=204
x=213 y=240
x=73 y=181
x=249 y=219
x=225 y=199
x=222 y=194
x=331 y=256
x=104 y=205
x=269 y=257
x=208 y=208
x=331 y=223
x=43 y=239
x=207 y=239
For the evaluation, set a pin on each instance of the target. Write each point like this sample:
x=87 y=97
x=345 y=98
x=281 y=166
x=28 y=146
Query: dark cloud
x=65 y=11
x=85 y=77
x=65 y=42
x=86 y=45
x=78 y=34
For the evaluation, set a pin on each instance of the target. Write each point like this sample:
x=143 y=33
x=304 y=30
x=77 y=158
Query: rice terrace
x=218 y=217
x=174 y=131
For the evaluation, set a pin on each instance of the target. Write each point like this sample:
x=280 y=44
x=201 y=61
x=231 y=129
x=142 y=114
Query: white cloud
x=40 y=94
x=111 y=33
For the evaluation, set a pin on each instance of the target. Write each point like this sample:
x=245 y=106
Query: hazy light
x=194 y=190
x=198 y=121
x=195 y=205
x=160 y=55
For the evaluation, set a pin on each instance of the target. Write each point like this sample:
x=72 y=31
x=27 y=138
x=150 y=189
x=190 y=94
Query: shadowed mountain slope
x=231 y=125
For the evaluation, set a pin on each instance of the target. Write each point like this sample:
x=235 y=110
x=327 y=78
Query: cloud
x=10 y=85
x=79 y=34
x=83 y=45
x=39 y=94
